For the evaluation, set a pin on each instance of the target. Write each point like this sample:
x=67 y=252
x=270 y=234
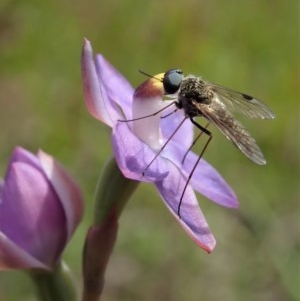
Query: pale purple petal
x=14 y=257
x=96 y=98
x=184 y=136
x=118 y=89
x=66 y=189
x=206 y=180
x=28 y=206
x=133 y=155
x=21 y=155
x=192 y=219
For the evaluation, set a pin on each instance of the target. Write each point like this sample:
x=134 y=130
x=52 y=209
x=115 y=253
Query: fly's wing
x=232 y=129
x=242 y=103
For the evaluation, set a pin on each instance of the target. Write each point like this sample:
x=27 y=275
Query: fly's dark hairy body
x=193 y=90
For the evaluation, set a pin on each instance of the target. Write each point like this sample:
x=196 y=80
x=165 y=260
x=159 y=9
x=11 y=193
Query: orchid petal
x=205 y=180
x=21 y=155
x=95 y=94
x=191 y=217
x=169 y=124
x=66 y=189
x=13 y=257
x=34 y=205
x=133 y=156
x=118 y=89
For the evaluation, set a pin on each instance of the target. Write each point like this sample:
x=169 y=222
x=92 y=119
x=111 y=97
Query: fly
x=200 y=98
x=216 y=104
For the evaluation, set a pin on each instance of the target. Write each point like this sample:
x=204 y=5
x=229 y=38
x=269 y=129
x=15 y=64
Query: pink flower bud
x=40 y=207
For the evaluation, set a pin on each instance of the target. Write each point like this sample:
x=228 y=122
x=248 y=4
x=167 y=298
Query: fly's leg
x=193 y=143
x=209 y=134
x=163 y=147
x=153 y=114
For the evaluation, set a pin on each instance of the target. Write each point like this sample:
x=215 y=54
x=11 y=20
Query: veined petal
x=192 y=219
x=13 y=257
x=169 y=124
x=133 y=156
x=205 y=180
x=96 y=97
x=66 y=189
x=118 y=89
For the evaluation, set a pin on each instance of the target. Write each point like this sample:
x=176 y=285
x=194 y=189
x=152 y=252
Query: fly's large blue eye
x=172 y=81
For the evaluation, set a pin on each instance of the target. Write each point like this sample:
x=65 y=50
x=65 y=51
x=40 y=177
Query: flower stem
x=112 y=193
x=55 y=285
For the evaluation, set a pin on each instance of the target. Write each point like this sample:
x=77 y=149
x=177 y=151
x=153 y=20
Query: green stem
x=112 y=193
x=55 y=285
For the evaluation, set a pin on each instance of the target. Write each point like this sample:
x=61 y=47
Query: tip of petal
x=191 y=217
x=87 y=47
x=204 y=239
x=93 y=95
x=86 y=40
x=19 y=152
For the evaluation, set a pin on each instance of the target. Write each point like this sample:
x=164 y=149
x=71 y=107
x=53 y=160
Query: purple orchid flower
x=111 y=99
x=40 y=207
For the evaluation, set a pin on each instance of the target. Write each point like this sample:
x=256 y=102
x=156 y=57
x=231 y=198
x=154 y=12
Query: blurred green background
x=251 y=46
